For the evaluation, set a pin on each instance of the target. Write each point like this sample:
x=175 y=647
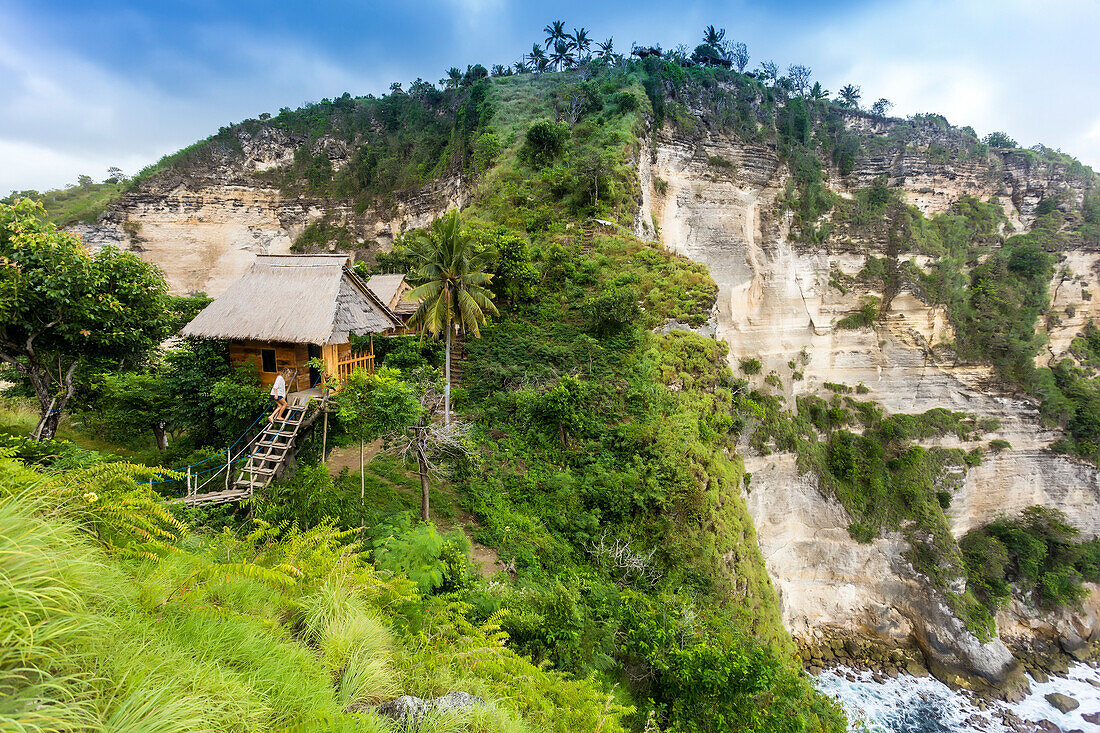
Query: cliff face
x=203 y=228
x=776 y=300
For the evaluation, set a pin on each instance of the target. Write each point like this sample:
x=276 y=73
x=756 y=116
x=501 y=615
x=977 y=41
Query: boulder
x=408 y=706
x=1093 y=718
x=1064 y=703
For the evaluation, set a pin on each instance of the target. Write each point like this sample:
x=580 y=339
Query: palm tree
x=563 y=57
x=450 y=278
x=454 y=77
x=581 y=42
x=817 y=93
x=555 y=32
x=521 y=66
x=537 y=58
x=607 y=50
x=849 y=96
x=713 y=36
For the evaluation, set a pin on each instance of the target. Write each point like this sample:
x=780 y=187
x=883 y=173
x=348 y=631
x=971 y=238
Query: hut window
x=267 y=356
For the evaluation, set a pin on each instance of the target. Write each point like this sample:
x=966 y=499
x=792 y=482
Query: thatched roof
x=301 y=299
x=391 y=290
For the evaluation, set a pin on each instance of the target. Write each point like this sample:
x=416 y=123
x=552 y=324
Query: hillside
x=798 y=359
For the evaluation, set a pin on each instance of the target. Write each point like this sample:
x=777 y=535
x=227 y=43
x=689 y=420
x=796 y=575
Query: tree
x=817 y=93
x=739 y=56
x=881 y=107
x=537 y=58
x=85 y=182
x=849 y=96
x=62 y=307
x=999 y=140
x=607 y=50
x=800 y=77
x=582 y=43
x=453 y=79
x=374 y=405
x=115 y=175
x=713 y=36
x=450 y=281
x=133 y=404
x=555 y=32
x=769 y=71
x=562 y=56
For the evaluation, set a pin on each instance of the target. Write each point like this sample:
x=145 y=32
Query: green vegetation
x=63 y=309
x=271 y=629
x=1035 y=554
x=82 y=203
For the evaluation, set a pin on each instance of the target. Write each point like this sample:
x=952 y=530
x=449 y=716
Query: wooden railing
x=345 y=368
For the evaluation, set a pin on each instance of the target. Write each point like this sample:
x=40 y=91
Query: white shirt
x=279 y=388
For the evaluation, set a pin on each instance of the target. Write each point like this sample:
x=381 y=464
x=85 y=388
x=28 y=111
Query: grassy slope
x=248 y=633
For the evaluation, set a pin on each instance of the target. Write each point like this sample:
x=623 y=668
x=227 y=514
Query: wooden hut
x=391 y=290
x=287 y=309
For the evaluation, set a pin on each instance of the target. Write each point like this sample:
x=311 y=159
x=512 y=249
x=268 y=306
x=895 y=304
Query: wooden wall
x=292 y=356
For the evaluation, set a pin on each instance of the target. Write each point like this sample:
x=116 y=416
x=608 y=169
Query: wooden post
x=228 y=458
x=189 y=481
x=324 y=434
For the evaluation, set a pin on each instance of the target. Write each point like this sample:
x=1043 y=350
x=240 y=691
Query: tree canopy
x=62 y=306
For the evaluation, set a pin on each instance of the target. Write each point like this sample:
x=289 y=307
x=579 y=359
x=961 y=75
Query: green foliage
x=375 y=404
x=863 y=318
x=612 y=312
x=322 y=236
x=61 y=306
x=73 y=204
x=749 y=365
x=543 y=143
x=1035 y=554
x=999 y=140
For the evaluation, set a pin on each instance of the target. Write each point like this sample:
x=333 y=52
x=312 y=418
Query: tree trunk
x=422 y=460
x=47 y=425
x=50 y=407
x=447 y=382
x=160 y=435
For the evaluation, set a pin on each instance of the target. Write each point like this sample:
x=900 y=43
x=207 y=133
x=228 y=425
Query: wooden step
x=218 y=497
x=258 y=471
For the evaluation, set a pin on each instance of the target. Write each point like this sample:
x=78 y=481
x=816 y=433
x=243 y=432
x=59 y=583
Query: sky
x=91 y=84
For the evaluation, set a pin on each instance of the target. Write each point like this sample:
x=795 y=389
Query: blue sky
x=86 y=85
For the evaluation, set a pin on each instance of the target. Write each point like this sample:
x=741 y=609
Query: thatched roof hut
x=287 y=309
x=391 y=290
x=313 y=299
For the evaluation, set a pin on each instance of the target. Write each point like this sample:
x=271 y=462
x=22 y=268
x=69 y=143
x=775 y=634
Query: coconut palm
x=450 y=278
x=521 y=66
x=581 y=42
x=563 y=57
x=713 y=36
x=537 y=59
x=555 y=32
x=607 y=50
x=849 y=96
x=454 y=78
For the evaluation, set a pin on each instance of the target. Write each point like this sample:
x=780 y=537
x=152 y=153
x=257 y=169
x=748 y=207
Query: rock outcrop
x=202 y=227
x=777 y=298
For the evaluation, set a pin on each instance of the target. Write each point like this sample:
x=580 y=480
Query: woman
x=278 y=394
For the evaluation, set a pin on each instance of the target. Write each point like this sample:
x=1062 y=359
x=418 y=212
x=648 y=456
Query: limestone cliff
x=777 y=298
x=204 y=226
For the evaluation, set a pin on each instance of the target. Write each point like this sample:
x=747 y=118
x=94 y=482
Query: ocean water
x=925 y=705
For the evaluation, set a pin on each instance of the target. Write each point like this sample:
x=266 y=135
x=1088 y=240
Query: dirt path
x=341 y=458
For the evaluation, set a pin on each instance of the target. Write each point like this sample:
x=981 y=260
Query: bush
x=613 y=311
x=544 y=142
x=750 y=365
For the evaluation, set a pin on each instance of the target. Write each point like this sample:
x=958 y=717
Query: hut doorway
x=314 y=352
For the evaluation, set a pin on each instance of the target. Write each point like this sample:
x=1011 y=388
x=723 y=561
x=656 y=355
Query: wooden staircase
x=269 y=452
